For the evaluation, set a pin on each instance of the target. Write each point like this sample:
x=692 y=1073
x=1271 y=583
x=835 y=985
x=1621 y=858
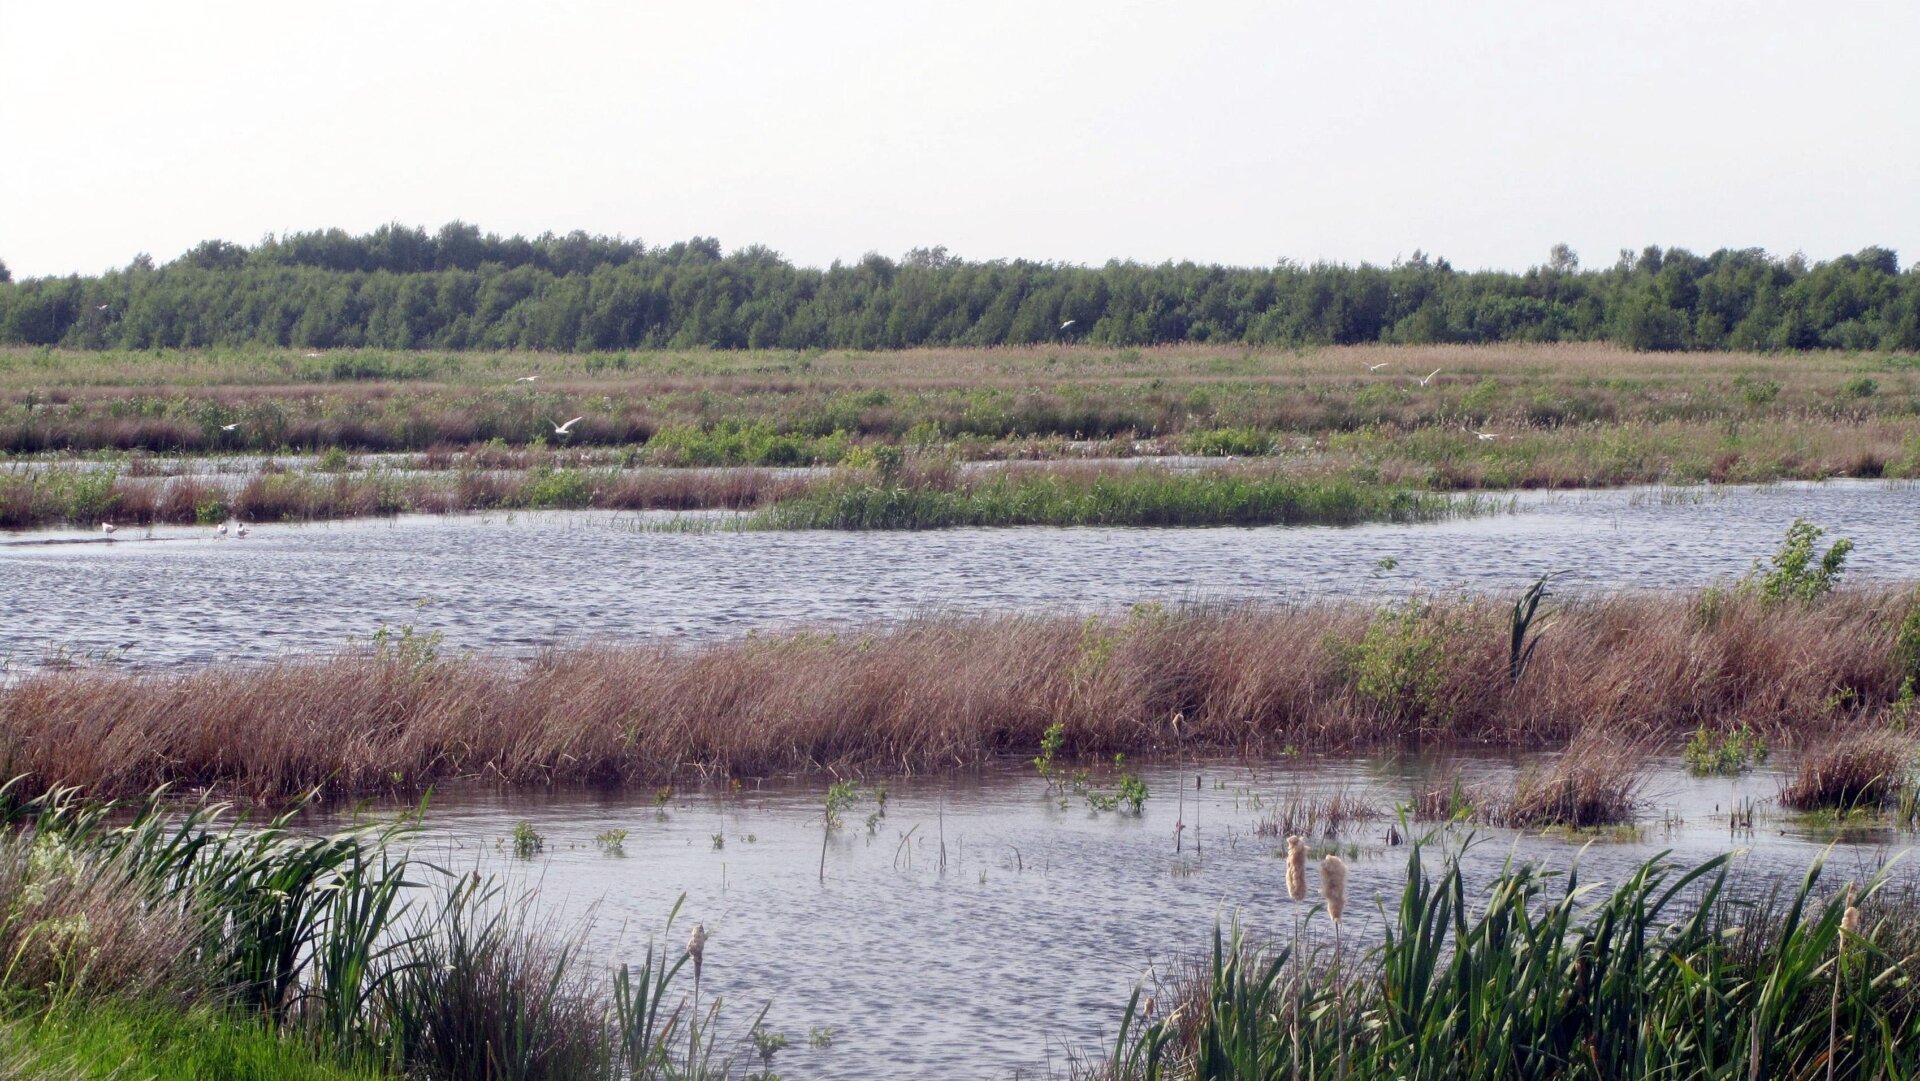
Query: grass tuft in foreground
x=1664 y=975
x=168 y=942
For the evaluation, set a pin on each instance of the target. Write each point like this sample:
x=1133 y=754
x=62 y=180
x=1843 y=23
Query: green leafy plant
x=1525 y=610
x=1397 y=666
x=527 y=841
x=1710 y=753
x=841 y=795
x=1046 y=762
x=766 y=1044
x=406 y=647
x=1798 y=571
x=612 y=842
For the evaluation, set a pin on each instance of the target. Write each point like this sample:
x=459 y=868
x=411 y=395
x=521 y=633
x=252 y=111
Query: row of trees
x=402 y=288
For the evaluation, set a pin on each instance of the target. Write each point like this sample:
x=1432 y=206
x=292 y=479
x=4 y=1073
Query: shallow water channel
x=514 y=583
x=1025 y=945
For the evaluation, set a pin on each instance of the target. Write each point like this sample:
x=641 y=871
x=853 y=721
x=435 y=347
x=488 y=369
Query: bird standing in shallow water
x=107 y=527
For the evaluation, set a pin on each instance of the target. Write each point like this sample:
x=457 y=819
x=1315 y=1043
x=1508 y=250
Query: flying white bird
x=230 y=427
x=1376 y=367
x=106 y=527
x=1486 y=436
x=566 y=429
x=526 y=379
x=311 y=354
x=1429 y=377
x=1067 y=324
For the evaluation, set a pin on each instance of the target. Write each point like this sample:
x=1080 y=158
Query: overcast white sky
x=1219 y=132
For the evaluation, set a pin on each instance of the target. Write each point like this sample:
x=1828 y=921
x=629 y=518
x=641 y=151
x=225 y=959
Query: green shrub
x=1228 y=442
x=1796 y=574
x=1398 y=665
x=1860 y=386
x=1709 y=753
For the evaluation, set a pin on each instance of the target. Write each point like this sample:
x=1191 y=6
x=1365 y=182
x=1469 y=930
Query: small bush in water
x=1724 y=753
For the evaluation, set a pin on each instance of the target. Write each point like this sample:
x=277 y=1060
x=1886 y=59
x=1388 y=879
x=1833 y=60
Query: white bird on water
x=222 y=531
x=1429 y=377
x=526 y=379
x=107 y=527
x=566 y=429
x=242 y=531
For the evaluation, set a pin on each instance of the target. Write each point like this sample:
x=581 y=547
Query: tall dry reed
x=941 y=692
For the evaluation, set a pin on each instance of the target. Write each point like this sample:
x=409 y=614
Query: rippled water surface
x=514 y=583
x=1030 y=938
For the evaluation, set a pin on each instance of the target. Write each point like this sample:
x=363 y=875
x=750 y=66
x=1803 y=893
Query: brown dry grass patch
x=953 y=692
x=1862 y=770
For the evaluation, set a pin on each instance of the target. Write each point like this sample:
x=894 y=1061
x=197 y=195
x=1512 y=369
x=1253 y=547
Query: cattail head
x=697 y=948
x=1333 y=885
x=1850 y=919
x=1296 y=868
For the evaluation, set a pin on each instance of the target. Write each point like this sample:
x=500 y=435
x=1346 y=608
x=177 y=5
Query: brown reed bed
x=1594 y=782
x=1864 y=770
x=941 y=693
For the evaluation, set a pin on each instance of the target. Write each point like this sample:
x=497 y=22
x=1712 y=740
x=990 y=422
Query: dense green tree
x=458 y=288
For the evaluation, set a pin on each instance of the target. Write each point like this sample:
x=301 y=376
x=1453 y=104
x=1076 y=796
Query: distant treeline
x=403 y=288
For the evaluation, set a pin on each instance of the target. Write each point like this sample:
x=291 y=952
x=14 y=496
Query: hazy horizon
x=1237 y=134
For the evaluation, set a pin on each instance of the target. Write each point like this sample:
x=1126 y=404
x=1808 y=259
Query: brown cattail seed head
x=1333 y=885
x=697 y=945
x=1296 y=868
x=1850 y=920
